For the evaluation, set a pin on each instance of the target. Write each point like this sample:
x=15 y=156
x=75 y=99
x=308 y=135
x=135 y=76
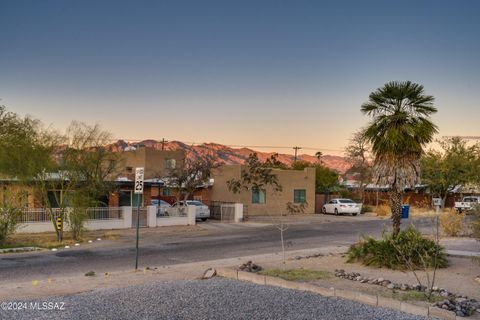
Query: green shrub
x=408 y=249
x=9 y=216
x=366 y=208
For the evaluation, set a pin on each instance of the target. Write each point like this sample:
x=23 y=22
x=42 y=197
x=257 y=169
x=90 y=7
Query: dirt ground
x=458 y=277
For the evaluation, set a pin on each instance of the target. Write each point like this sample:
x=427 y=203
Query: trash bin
x=405 y=210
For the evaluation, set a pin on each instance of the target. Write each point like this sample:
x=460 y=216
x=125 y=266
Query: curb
x=372 y=300
x=19 y=249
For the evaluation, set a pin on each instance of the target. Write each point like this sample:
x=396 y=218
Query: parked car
x=202 y=211
x=161 y=206
x=342 y=206
x=467 y=203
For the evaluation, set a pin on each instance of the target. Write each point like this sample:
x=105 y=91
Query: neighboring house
x=298 y=187
x=158 y=166
x=157 y=163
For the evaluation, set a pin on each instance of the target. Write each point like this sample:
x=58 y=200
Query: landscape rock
x=209 y=273
x=250 y=267
x=461 y=305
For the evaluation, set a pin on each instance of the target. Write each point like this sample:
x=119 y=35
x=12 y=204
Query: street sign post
x=138 y=190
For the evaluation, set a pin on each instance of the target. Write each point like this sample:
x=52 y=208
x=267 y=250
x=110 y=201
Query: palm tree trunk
x=396 y=206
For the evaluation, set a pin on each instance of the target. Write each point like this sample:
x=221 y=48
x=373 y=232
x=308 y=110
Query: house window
x=125 y=198
x=166 y=192
x=129 y=169
x=170 y=163
x=299 y=196
x=258 y=196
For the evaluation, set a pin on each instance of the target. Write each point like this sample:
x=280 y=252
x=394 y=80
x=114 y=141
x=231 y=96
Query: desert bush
x=475 y=221
x=8 y=222
x=367 y=208
x=408 y=249
x=76 y=220
x=383 y=210
x=451 y=223
x=423 y=204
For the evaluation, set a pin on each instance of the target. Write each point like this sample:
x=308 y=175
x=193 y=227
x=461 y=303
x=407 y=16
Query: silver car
x=202 y=211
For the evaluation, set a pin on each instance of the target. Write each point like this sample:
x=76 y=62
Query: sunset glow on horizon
x=249 y=73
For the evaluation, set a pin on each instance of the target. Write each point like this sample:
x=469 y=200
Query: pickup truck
x=467 y=203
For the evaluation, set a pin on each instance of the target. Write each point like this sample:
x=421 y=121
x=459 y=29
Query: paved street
x=213 y=299
x=214 y=241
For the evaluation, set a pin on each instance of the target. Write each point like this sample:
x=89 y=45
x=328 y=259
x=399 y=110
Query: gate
x=225 y=211
x=143 y=217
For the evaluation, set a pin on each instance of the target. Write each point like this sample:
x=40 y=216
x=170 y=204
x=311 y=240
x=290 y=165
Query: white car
x=341 y=206
x=202 y=211
x=467 y=204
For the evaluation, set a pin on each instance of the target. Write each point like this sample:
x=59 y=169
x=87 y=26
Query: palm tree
x=399 y=130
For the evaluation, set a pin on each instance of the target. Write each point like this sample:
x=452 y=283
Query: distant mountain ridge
x=230 y=155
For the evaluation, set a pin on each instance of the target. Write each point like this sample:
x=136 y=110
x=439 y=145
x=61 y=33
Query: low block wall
x=125 y=222
x=172 y=221
x=35 y=227
x=104 y=224
x=373 y=300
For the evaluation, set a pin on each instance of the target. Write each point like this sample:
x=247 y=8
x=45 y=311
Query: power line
x=163 y=141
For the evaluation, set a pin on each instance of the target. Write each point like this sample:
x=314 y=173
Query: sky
x=254 y=73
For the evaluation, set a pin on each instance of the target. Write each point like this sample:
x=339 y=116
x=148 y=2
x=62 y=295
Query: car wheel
x=354 y=214
x=336 y=211
x=324 y=210
x=204 y=219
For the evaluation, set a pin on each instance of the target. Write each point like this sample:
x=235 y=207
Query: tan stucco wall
x=275 y=203
x=152 y=160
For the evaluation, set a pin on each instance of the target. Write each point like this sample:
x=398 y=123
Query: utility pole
x=296 y=149
x=163 y=143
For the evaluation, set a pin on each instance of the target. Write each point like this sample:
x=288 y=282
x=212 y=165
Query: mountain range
x=228 y=155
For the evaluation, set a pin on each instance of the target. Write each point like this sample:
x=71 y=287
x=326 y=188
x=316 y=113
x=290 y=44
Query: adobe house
x=298 y=187
x=158 y=165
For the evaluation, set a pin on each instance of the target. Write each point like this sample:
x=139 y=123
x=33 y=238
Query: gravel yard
x=204 y=299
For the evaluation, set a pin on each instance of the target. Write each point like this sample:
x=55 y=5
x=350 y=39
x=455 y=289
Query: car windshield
x=471 y=199
x=345 y=201
x=164 y=203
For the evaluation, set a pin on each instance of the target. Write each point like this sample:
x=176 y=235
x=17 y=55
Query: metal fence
x=225 y=211
x=44 y=215
x=142 y=218
x=104 y=213
x=37 y=215
x=172 y=212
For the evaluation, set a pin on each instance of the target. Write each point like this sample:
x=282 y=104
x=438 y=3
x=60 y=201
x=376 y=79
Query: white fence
x=104 y=213
x=37 y=215
x=39 y=220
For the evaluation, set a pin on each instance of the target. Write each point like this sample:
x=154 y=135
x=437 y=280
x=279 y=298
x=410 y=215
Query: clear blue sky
x=236 y=72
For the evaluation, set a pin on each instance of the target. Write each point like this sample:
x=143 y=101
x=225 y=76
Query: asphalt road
x=218 y=241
